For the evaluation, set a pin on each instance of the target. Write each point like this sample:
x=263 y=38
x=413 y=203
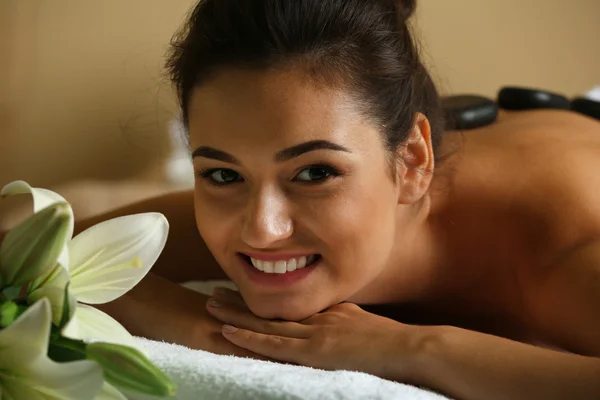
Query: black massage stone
x=517 y=98
x=587 y=107
x=468 y=111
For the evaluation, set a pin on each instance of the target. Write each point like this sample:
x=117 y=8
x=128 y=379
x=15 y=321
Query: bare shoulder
x=543 y=164
x=541 y=172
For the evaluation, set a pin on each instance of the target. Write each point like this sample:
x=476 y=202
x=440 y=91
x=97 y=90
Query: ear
x=416 y=162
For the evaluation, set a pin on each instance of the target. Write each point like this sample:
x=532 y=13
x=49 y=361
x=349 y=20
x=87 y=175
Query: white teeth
x=301 y=262
x=280 y=267
x=259 y=265
x=283 y=266
x=269 y=267
x=291 y=265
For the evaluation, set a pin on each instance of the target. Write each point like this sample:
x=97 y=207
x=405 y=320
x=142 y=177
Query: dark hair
x=365 y=45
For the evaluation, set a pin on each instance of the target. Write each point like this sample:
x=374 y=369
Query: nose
x=266 y=219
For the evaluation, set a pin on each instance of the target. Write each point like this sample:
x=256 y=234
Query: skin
x=458 y=273
x=277 y=209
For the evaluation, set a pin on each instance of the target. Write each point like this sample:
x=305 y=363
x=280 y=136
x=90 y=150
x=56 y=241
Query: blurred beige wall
x=480 y=45
x=82 y=92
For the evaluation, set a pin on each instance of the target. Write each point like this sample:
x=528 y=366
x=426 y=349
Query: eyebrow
x=281 y=156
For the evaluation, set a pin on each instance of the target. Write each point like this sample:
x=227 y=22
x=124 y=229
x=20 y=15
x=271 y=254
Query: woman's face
x=290 y=173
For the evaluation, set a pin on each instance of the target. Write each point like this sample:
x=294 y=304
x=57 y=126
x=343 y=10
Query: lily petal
x=109 y=392
x=23 y=357
x=110 y=258
x=76 y=380
x=55 y=277
x=15 y=388
x=42 y=198
x=56 y=295
x=92 y=325
x=25 y=341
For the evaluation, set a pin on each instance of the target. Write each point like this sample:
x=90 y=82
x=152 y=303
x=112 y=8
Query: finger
x=273 y=346
x=244 y=318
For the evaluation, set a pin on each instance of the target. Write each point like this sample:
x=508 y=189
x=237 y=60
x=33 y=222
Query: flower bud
x=33 y=247
x=8 y=313
x=128 y=369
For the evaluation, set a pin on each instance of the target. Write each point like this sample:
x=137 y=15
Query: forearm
x=158 y=309
x=469 y=365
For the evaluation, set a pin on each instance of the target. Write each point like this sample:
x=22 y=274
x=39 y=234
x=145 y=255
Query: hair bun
x=406 y=9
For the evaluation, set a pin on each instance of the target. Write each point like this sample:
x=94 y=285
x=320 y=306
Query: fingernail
x=214 y=303
x=229 y=329
x=219 y=291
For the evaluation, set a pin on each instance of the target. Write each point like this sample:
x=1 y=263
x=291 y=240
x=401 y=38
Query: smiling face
x=289 y=170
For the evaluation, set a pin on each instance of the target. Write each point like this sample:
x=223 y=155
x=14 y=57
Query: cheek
x=360 y=226
x=215 y=223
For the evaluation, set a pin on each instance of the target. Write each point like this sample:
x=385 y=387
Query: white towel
x=207 y=376
x=594 y=94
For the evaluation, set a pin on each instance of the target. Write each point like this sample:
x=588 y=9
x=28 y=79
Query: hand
x=342 y=337
x=159 y=309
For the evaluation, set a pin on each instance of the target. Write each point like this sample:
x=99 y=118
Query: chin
x=280 y=311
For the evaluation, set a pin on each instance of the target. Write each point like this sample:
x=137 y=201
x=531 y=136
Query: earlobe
x=416 y=162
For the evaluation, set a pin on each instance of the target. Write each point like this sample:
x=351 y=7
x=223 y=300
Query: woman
x=324 y=182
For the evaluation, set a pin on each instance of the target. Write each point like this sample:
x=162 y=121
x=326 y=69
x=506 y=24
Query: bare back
x=517 y=197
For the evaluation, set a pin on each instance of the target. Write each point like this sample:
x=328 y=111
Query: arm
x=564 y=306
x=463 y=364
x=470 y=365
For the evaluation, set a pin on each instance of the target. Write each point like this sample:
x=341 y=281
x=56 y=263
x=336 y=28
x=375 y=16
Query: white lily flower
x=104 y=262
x=26 y=372
x=109 y=392
x=42 y=198
x=92 y=325
x=110 y=258
x=107 y=260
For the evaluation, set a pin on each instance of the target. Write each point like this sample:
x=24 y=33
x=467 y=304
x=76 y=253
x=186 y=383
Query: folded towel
x=207 y=376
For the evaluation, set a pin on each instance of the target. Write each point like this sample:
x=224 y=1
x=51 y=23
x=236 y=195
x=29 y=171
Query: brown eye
x=317 y=173
x=221 y=176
